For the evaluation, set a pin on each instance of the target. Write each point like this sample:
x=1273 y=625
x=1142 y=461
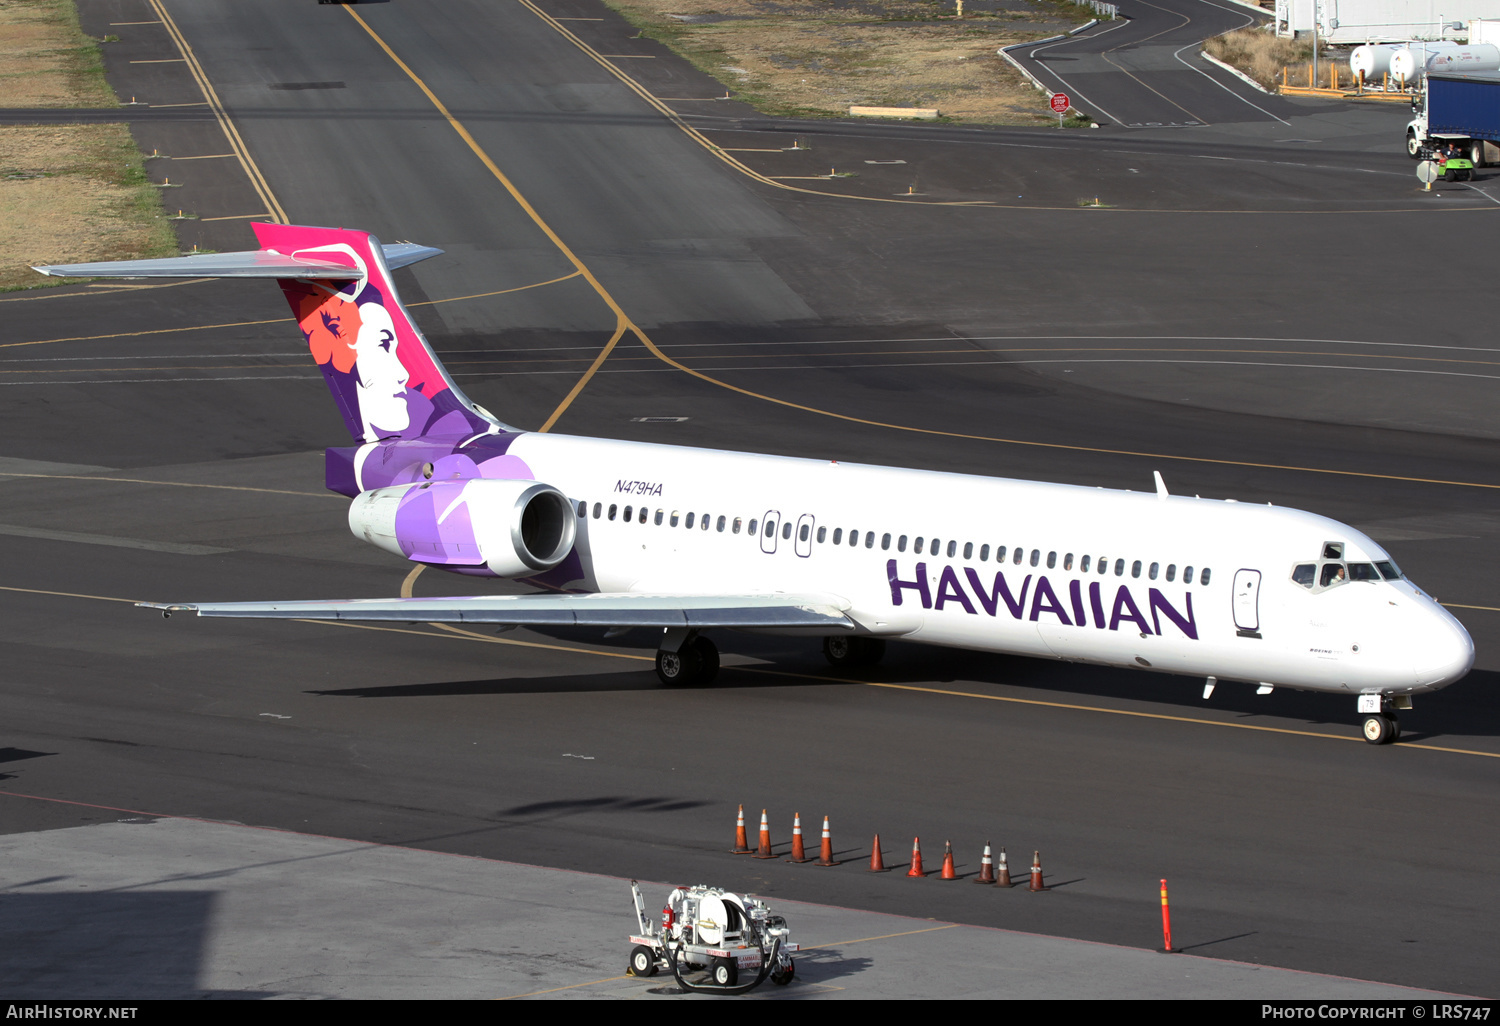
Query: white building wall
x=1377 y=21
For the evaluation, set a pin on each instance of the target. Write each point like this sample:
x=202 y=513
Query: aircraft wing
x=563 y=610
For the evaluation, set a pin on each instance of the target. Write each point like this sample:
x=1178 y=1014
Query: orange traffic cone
x=916 y=858
x=764 y=851
x=877 y=863
x=948 y=873
x=825 y=852
x=798 y=855
x=1036 y=873
x=741 y=842
x=986 y=867
x=1004 y=880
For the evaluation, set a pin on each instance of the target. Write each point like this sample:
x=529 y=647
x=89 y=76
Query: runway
x=1256 y=333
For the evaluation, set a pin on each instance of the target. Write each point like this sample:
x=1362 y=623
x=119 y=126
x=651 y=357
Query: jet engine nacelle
x=512 y=528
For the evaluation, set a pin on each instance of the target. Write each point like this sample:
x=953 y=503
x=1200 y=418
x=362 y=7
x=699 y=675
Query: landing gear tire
x=642 y=961
x=844 y=651
x=724 y=972
x=1381 y=729
x=694 y=664
x=782 y=978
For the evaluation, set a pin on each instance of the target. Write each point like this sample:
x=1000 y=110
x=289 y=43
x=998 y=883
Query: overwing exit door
x=1247 y=603
x=772 y=524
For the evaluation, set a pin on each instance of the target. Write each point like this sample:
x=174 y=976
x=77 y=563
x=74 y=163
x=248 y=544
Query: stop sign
x=1060 y=103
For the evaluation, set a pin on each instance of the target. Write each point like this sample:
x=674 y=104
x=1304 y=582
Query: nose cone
x=1446 y=652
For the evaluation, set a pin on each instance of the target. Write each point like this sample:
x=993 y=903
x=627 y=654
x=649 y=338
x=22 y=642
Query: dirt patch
x=74 y=193
x=1260 y=54
x=46 y=60
x=68 y=193
x=819 y=59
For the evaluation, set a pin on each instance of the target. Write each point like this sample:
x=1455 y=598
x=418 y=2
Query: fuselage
x=1133 y=579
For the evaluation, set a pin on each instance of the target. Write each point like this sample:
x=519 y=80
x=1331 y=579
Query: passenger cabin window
x=629 y=511
x=1151 y=573
x=689 y=522
x=870 y=539
x=1171 y=571
x=705 y=521
x=750 y=530
x=719 y=527
x=1018 y=555
x=1187 y=575
x=786 y=529
x=806 y=532
x=583 y=509
x=1103 y=565
x=822 y=535
x=968 y=550
x=1304 y=574
x=770 y=527
x=999 y=553
x=1068 y=561
x=1051 y=560
x=1203 y=577
x=613 y=510
x=660 y=514
x=838 y=538
x=1083 y=565
x=885 y=541
x=1135 y=569
x=1036 y=556
x=597 y=509
x=853 y=538
x=952 y=549
x=901 y=544
x=1120 y=567
x=736 y=528
x=984 y=553
x=674 y=518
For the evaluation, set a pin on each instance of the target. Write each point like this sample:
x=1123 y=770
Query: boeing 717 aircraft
x=687 y=540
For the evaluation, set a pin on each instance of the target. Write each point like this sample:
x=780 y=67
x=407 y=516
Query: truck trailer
x=1463 y=110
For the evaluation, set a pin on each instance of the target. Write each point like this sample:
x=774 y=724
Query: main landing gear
x=846 y=651
x=692 y=662
x=1380 y=725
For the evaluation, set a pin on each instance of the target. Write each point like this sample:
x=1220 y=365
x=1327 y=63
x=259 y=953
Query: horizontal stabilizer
x=257 y=263
x=599 y=610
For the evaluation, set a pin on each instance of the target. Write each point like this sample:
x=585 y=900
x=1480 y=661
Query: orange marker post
x=1166 y=921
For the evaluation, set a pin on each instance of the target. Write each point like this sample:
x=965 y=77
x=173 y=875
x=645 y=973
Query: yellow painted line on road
x=622 y=317
x=588 y=375
x=451 y=631
x=239 y=217
x=571 y=986
x=883 y=936
x=112 y=286
x=205 y=156
x=167 y=60
x=244 y=324
x=237 y=144
x=69 y=594
x=172 y=484
x=697 y=136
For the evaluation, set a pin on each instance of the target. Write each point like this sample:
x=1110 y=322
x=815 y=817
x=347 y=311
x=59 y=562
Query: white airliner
x=684 y=540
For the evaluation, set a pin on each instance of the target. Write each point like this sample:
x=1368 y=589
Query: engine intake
x=513 y=528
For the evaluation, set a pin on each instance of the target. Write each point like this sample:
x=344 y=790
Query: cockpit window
x=1305 y=573
x=1390 y=571
x=1333 y=550
x=1363 y=572
x=1333 y=573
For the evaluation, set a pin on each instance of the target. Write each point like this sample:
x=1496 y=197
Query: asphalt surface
x=1262 y=324
x=1144 y=70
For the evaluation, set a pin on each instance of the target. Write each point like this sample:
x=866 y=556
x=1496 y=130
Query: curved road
x=1147 y=71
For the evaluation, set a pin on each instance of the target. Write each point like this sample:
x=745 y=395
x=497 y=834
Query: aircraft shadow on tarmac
x=1461 y=710
x=107 y=945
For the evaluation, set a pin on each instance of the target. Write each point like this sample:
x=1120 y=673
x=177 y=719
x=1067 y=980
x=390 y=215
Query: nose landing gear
x=1380 y=725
